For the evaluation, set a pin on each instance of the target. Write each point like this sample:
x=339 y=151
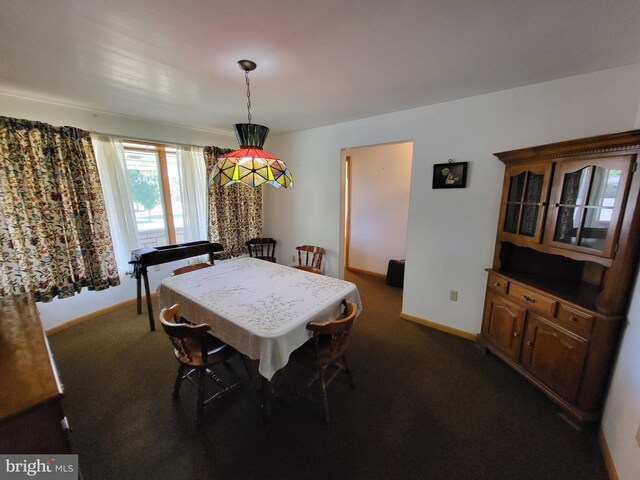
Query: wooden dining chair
x=190 y=268
x=197 y=353
x=325 y=350
x=310 y=258
x=264 y=248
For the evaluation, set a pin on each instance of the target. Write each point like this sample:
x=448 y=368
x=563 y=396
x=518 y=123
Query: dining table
x=258 y=307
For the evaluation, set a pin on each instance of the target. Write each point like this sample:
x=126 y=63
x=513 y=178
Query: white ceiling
x=319 y=61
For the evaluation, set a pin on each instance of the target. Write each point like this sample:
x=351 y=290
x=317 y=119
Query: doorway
x=376 y=205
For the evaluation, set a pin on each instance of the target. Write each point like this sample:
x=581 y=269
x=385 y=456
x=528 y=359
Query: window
x=152 y=171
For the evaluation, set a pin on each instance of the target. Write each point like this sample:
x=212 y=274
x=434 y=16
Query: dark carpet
x=427 y=405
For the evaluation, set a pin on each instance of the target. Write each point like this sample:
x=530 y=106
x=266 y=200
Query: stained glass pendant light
x=250 y=164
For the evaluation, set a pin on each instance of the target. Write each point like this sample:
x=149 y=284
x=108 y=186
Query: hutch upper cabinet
x=565 y=258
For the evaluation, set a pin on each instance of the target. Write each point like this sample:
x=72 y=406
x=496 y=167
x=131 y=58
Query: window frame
x=128 y=144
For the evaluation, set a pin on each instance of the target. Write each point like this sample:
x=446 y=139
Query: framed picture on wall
x=450 y=175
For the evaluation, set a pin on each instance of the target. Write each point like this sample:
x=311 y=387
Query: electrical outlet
x=638 y=435
x=453 y=295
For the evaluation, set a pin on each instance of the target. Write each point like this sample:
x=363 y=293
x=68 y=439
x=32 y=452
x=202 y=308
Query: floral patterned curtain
x=54 y=232
x=235 y=212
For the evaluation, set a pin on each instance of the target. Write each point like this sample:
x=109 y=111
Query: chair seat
x=217 y=351
x=308 y=268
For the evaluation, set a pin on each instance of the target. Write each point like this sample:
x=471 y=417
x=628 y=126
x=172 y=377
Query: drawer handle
x=515 y=334
x=573 y=319
x=529 y=298
x=530 y=343
x=497 y=284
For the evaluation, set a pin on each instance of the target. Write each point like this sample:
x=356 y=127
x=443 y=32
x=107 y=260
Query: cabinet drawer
x=575 y=320
x=498 y=284
x=534 y=300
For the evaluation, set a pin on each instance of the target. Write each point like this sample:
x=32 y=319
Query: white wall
x=380 y=178
x=60 y=311
x=451 y=232
x=621 y=418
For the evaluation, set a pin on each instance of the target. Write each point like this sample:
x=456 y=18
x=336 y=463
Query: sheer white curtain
x=113 y=176
x=193 y=191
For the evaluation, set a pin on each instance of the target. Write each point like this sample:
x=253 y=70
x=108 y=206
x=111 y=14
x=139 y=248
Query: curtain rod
x=163 y=142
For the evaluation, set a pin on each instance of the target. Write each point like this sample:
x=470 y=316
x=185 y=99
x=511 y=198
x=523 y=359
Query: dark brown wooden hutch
x=565 y=259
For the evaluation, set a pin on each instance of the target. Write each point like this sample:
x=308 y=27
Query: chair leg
x=200 y=404
x=325 y=398
x=247 y=367
x=178 y=382
x=347 y=370
x=313 y=379
x=212 y=375
x=276 y=381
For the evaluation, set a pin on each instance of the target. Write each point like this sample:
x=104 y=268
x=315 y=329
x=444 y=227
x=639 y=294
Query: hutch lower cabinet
x=565 y=258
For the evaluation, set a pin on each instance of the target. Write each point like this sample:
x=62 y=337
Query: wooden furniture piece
x=260 y=308
x=327 y=349
x=190 y=268
x=310 y=258
x=32 y=420
x=565 y=258
x=262 y=248
x=197 y=353
x=145 y=257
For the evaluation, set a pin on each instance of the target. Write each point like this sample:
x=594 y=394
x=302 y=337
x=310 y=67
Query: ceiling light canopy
x=250 y=164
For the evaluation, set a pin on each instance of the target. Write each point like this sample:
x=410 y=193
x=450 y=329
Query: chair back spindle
x=186 y=338
x=263 y=248
x=336 y=332
x=310 y=258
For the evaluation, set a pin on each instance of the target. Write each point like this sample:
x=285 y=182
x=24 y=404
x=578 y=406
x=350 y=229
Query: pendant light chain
x=246 y=77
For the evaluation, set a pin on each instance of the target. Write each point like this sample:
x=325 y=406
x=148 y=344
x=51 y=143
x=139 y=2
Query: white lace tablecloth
x=258 y=307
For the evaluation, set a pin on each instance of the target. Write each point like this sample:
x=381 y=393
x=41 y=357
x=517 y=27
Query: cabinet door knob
x=515 y=334
x=556 y=205
x=530 y=344
x=573 y=319
x=529 y=298
x=497 y=284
